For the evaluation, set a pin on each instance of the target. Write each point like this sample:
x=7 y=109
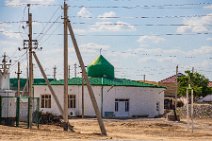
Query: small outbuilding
x=116 y=98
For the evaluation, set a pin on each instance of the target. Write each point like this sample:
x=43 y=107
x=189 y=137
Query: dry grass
x=131 y=129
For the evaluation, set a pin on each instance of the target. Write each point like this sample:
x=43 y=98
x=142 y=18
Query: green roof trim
x=100 y=67
x=14 y=82
x=98 y=81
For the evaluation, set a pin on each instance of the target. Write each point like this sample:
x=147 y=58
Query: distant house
x=116 y=97
x=170 y=84
x=207 y=98
x=210 y=84
x=169 y=93
x=149 y=82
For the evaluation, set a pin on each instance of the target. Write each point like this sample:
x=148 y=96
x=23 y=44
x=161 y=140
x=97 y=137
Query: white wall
x=5 y=81
x=40 y=90
x=142 y=100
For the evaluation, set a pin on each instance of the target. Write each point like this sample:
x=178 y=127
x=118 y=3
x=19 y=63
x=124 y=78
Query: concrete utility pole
x=144 y=78
x=69 y=71
x=4 y=61
x=75 y=70
x=91 y=93
x=4 y=66
x=18 y=77
x=54 y=72
x=190 y=109
x=83 y=96
x=192 y=69
x=30 y=66
x=65 y=113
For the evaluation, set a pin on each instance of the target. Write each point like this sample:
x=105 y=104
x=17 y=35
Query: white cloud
x=7 y=32
x=93 y=47
x=84 y=12
x=107 y=15
x=208 y=7
x=113 y=27
x=201 y=51
x=151 y=39
x=200 y=24
x=79 y=31
x=19 y=2
x=209 y=39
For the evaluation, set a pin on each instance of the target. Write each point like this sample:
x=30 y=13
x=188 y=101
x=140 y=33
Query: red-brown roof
x=171 y=79
x=210 y=84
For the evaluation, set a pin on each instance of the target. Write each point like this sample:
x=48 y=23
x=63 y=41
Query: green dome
x=100 y=68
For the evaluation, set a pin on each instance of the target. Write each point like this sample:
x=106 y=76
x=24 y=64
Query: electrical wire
x=49 y=21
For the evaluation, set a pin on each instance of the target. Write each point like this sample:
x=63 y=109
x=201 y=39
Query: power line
x=140 y=17
x=117 y=35
x=113 y=6
x=165 y=6
x=49 y=22
x=121 y=24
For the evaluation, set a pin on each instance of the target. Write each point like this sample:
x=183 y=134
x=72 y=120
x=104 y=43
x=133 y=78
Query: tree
x=198 y=82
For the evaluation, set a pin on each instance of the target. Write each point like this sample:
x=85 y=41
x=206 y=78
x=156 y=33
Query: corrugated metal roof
x=98 y=81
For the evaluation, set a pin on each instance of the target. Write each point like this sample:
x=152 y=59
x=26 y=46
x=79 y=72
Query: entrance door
x=121 y=107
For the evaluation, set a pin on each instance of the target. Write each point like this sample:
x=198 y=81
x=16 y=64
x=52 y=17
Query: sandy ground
x=126 y=130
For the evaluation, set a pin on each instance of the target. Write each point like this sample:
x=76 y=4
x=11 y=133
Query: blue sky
x=137 y=36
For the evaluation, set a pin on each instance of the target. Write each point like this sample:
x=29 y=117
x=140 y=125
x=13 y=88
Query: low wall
x=200 y=111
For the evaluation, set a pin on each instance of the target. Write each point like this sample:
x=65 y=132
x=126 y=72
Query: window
x=158 y=106
x=127 y=105
x=46 y=101
x=116 y=106
x=71 y=101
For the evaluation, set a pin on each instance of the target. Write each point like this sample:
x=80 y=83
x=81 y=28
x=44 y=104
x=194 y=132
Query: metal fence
x=15 y=110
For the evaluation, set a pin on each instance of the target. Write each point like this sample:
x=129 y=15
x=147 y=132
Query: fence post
x=28 y=112
x=38 y=112
x=17 y=111
x=0 y=109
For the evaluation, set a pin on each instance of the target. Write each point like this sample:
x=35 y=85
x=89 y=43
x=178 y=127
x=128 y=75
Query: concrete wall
x=4 y=81
x=8 y=104
x=142 y=101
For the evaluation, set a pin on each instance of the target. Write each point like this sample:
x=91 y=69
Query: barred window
x=46 y=101
x=71 y=101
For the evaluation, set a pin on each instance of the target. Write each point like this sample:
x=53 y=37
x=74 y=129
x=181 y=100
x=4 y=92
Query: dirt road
x=126 y=130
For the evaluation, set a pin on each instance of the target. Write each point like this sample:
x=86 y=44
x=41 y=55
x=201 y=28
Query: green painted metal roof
x=97 y=81
x=100 y=67
x=14 y=82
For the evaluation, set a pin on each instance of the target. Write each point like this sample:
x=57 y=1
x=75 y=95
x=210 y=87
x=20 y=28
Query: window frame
x=71 y=101
x=46 y=101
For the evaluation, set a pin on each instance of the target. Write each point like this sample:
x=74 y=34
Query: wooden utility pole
x=175 y=103
x=18 y=77
x=91 y=93
x=48 y=84
x=65 y=113
x=30 y=66
x=54 y=72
